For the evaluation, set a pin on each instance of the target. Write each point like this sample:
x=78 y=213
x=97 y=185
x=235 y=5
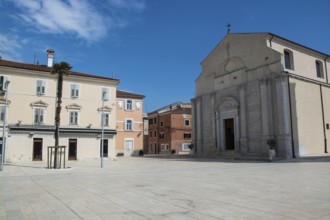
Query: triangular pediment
x=39 y=103
x=105 y=109
x=3 y=101
x=74 y=106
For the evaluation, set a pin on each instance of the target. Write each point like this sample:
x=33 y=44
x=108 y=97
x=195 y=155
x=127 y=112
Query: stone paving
x=167 y=188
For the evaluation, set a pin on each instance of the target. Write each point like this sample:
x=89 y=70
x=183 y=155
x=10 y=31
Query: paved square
x=165 y=188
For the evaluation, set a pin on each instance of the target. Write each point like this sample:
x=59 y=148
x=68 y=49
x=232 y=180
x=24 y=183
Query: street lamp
x=102 y=124
x=5 y=89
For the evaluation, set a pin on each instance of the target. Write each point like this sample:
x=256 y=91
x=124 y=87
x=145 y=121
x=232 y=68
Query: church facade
x=256 y=87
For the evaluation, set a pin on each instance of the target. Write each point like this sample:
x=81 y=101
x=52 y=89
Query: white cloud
x=138 y=5
x=10 y=47
x=85 y=19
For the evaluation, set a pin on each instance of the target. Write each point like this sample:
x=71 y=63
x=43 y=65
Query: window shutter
x=77 y=90
x=43 y=87
x=105 y=94
x=72 y=90
x=41 y=115
x=2 y=113
x=38 y=86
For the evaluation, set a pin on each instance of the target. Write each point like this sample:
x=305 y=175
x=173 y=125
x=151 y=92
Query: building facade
x=258 y=87
x=30 y=115
x=129 y=125
x=170 y=129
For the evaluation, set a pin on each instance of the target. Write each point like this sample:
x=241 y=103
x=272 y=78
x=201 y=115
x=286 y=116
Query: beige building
x=129 y=139
x=31 y=112
x=260 y=86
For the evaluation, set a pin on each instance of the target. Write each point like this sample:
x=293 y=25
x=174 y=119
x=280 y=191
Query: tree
x=61 y=69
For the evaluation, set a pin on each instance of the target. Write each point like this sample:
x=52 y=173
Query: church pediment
x=40 y=104
x=73 y=106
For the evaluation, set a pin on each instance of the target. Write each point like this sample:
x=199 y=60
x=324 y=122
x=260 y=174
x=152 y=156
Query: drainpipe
x=158 y=123
x=324 y=133
x=290 y=108
x=325 y=66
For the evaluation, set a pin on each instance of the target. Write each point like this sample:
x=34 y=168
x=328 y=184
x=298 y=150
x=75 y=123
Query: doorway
x=37 y=149
x=105 y=147
x=72 y=149
x=229 y=134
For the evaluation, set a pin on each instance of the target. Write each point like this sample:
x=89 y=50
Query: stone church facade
x=260 y=86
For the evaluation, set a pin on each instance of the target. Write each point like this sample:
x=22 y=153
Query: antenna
x=228 y=28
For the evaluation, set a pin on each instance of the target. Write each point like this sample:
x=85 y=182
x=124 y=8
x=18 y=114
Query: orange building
x=170 y=129
x=129 y=124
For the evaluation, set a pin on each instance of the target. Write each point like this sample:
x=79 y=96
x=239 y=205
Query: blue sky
x=153 y=46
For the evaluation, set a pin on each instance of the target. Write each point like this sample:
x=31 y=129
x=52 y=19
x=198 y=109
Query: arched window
x=288 y=60
x=319 y=69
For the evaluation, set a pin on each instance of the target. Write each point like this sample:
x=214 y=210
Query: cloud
x=10 y=47
x=85 y=19
x=138 y=5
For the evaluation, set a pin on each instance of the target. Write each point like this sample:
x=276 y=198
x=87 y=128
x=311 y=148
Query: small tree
x=61 y=69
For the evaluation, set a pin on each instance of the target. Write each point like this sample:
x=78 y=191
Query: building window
x=150 y=121
x=150 y=148
x=2 y=113
x=41 y=87
x=185 y=147
x=39 y=116
x=187 y=135
x=128 y=104
x=155 y=133
x=161 y=124
x=74 y=91
x=161 y=135
x=150 y=134
x=288 y=59
x=186 y=122
x=73 y=118
x=105 y=118
x=319 y=69
x=105 y=94
x=3 y=84
x=164 y=147
x=155 y=120
x=129 y=125
x=128 y=144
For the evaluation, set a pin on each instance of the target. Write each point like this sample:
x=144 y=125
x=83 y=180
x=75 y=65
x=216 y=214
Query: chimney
x=50 y=55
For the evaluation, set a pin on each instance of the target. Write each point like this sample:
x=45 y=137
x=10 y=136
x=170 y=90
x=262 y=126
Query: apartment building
x=129 y=123
x=30 y=113
x=170 y=129
x=256 y=87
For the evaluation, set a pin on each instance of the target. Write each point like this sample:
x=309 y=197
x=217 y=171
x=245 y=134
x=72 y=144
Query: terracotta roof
x=44 y=68
x=124 y=94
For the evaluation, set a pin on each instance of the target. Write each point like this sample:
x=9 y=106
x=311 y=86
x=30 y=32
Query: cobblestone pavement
x=167 y=188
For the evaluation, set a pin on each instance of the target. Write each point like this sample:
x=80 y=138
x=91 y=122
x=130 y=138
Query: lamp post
x=4 y=126
x=102 y=124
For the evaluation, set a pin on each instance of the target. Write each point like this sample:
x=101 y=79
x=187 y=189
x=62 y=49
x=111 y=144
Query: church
x=257 y=88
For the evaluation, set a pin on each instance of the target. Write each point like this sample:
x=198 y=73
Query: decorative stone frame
x=226 y=109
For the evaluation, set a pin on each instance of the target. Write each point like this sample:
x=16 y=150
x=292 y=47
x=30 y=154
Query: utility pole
x=5 y=89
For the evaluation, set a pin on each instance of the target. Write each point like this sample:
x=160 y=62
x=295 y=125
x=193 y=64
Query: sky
x=154 y=47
